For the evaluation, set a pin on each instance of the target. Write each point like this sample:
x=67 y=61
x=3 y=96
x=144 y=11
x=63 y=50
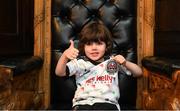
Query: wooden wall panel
x=167 y=29
x=16 y=27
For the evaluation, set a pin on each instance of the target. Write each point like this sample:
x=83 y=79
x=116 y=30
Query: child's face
x=95 y=50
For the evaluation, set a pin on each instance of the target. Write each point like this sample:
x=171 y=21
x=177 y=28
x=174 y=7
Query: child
x=96 y=75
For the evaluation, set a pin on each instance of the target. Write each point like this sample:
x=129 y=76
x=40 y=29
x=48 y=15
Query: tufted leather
x=69 y=17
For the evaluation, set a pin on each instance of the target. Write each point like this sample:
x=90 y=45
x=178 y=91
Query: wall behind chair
x=16 y=27
x=167 y=29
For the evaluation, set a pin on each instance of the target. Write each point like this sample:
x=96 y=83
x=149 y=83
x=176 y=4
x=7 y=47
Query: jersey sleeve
x=73 y=67
x=77 y=67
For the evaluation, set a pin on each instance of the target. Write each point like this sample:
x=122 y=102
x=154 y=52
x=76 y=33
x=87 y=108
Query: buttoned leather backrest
x=69 y=17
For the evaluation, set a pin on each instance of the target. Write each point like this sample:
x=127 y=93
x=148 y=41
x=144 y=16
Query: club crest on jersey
x=112 y=67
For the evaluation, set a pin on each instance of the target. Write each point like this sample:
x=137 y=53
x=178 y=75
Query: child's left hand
x=119 y=58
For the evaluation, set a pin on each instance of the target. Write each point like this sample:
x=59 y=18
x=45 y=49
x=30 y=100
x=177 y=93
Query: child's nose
x=94 y=45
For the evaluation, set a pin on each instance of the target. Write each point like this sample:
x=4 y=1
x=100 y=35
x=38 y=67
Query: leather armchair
x=68 y=18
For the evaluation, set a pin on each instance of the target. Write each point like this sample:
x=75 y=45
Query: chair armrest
x=21 y=65
x=19 y=80
x=163 y=83
x=160 y=65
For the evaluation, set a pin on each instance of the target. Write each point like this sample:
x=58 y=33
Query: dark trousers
x=96 y=106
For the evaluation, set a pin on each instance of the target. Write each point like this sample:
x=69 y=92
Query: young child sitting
x=96 y=71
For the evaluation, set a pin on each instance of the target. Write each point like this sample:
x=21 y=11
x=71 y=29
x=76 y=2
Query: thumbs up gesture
x=71 y=52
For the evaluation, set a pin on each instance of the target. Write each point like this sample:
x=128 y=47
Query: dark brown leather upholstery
x=22 y=64
x=161 y=65
x=69 y=17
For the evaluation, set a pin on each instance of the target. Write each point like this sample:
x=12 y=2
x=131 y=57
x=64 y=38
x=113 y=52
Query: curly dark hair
x=95 y=32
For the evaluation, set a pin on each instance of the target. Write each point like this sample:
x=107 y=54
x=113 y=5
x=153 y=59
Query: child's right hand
x=71 y=52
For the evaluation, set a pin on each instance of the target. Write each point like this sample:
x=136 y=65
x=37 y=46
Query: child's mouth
x=94 y=54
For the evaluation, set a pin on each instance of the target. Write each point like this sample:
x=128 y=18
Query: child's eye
x=99 y=43
x=88 y=43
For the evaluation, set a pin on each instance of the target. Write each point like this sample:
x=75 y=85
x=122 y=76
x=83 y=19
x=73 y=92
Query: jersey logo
x=112 y=67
